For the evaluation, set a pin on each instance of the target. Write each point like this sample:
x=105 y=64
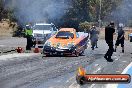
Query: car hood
x=63 y=42
x=41 y=31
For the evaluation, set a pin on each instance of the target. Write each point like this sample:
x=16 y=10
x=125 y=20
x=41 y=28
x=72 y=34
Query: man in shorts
x=120 y=37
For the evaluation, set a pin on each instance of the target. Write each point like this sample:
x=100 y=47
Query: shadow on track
x=61 y=56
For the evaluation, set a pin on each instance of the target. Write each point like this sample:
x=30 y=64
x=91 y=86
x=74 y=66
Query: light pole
x=100 y=5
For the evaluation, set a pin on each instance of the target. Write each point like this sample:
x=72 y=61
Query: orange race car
x=66 y=42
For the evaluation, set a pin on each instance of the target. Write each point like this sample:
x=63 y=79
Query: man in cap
x=120 y=38
x=109 y=31
x=94 y=37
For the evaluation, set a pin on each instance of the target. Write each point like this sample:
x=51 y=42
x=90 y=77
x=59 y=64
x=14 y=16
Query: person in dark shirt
x=109 y=31
x=120 y=38
x=94 y=37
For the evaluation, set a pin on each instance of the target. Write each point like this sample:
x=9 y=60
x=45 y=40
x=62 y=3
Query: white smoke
x=37 y=10
x=122 y=12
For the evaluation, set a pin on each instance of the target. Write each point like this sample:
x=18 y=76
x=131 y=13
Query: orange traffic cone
x=36 y=50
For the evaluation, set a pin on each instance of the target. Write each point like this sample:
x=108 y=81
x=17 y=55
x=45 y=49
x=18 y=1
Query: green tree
x=89 y=10
x=107 y=6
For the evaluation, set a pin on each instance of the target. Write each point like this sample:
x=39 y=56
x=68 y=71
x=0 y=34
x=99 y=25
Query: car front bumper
x=58 y=51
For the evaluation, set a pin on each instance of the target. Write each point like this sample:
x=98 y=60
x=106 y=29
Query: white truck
x=42 y=32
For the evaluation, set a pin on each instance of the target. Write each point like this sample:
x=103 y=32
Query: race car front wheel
x=76 y=53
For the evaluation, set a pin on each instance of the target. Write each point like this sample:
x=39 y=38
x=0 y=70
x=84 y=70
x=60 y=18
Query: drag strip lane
x=57 y=72
x=127 y=70
x=26 y=72
x=101 y=66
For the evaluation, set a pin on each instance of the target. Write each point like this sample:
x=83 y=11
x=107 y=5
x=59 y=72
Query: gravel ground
x=12 y=42
x=33 y=71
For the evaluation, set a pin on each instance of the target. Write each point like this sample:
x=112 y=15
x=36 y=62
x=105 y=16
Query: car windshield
x=65 y=34
x=42 y=27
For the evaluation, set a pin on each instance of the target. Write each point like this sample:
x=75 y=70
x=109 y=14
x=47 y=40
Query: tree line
x=88 y=10
x=79 y=11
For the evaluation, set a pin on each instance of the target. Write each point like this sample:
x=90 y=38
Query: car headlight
x=58 y=45
x=65 y=46
x=47 y=43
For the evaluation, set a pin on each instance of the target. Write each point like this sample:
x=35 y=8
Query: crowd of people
x=109 y=32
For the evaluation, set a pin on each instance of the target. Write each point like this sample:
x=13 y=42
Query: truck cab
x=43 y=31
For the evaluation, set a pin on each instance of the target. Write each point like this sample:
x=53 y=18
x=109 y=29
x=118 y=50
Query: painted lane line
x=127 y=68
x=97 y=70
x=2 y=45
x=92 y=86
x=16 y=55
x=118 y=71
x=72 y=85
x=96 y=65
x=117 y=58
x=70 y=79
x=124 y=61
x=124 y=72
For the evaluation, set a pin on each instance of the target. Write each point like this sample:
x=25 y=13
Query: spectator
x=109 y=31
x=94 y=37
x=28 y=34
x=120 y=37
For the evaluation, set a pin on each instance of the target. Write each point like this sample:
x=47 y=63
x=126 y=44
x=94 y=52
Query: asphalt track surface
x=29 y=70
